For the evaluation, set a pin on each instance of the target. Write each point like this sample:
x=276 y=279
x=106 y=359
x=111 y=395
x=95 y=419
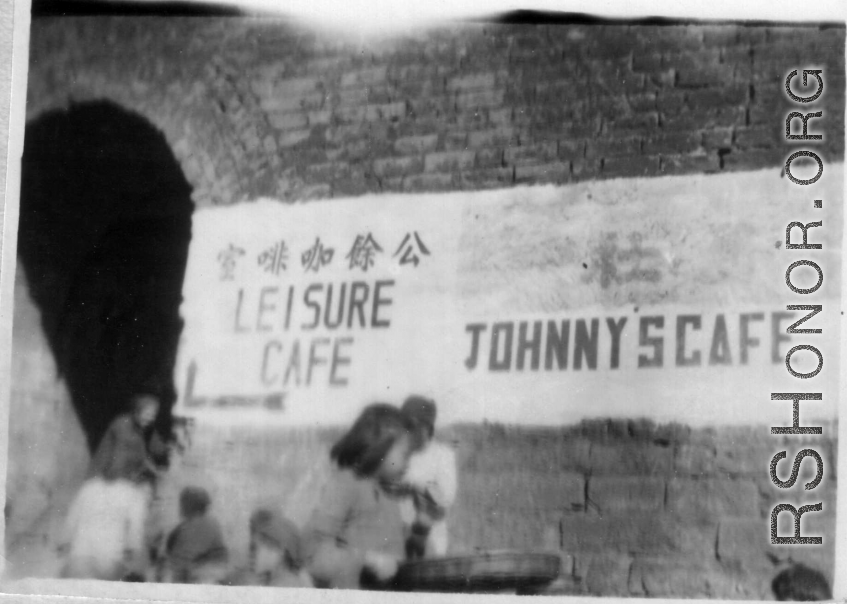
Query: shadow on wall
x=105 y=223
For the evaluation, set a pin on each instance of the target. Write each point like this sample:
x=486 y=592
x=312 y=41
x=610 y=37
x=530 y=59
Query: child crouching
x=195 y=550
x=275 y=553
x=104 y=531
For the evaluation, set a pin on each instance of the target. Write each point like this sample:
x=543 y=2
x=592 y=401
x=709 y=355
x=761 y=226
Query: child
x=355 y=535
x=132 y=452
x=130 y=449
x=275 y=553
x=799 y=583
x=104 y=531
x=195 y=550
x=431 y=477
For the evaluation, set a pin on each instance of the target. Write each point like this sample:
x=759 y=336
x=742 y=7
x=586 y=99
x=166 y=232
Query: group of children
x=105 y=530
x=385 y=502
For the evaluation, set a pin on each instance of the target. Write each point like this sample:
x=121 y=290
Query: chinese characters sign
x=517 y=305
x=286 y=305
x=362 y=256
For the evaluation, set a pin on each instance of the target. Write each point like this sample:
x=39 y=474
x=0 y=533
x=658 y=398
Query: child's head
x=145 y=408
x=274 y=543
x=799 y=583
x=421 y=411
x=378 y=445
x=194 y=502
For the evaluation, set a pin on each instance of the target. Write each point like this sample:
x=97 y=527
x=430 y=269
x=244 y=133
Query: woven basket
x=492 y=571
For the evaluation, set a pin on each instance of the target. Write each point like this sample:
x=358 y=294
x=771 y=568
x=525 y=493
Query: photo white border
x=8 y=245
x=314 y=11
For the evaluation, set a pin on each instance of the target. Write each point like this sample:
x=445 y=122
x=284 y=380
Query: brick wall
x=634 y=508
x=282 y=112
x=637 y=509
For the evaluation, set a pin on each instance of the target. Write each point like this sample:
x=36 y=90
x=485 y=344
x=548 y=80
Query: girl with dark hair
x=355 y=536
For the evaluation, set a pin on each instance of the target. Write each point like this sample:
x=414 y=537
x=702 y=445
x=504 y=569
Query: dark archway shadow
x=105 y=222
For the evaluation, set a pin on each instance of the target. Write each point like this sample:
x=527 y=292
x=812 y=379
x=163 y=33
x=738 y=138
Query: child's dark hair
x=194 y=501
x=799 y=583
x=279 y=532
x=422 y=411
x=375 y=431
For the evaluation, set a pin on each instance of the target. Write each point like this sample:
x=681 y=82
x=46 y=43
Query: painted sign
x=535 y=305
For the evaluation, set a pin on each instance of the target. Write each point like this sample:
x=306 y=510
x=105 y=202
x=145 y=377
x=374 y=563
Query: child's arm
x=172 y=540
x=105 y=453
x=158 y=451
x=439 y=482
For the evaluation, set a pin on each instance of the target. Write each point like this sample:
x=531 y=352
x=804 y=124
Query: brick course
x=508 y=104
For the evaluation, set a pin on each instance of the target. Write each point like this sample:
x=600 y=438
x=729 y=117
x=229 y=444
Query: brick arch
x=105 y=222
x=163 y=117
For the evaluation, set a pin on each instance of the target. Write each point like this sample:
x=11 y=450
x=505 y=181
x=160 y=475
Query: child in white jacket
x=431 y=478
x=104 y=531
